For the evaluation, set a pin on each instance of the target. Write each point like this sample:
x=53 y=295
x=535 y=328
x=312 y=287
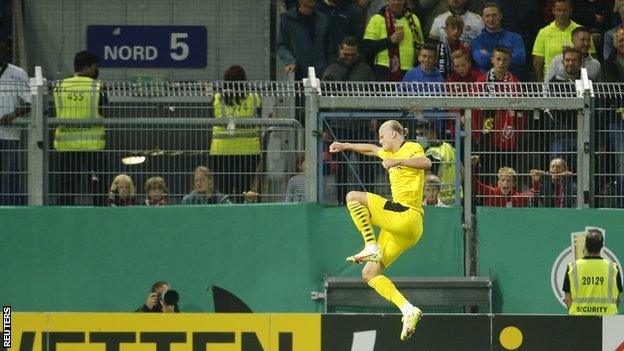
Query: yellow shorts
x=401 y=227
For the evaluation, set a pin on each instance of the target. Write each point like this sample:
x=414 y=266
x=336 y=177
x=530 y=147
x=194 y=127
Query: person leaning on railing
x=15 y=102
x=79 y=146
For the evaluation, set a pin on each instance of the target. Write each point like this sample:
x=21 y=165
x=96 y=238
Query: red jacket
x=505 y=123
x=494 y=197
x=471 y=77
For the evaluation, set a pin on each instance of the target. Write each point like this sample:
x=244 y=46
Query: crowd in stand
x=500 y=41
x=454 y=41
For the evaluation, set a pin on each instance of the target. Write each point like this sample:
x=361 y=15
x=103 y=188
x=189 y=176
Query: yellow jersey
x=406 y=183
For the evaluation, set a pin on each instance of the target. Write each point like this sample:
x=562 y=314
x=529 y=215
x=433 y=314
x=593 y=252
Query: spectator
x=155 y=300
x=79 y=160
x=442 y=156
x=462 y=69
x=501 y=128
x=463 y=73
x=432 y=189
x=592 y=14
x=515 y=19
x=345 y=19
x=614 y=72
x=122 y=191
x=302 y=39
x=504 y=194
x=296 y=189
x=558 y=191
x=15 y=97
x=235 y=149
x=348 y=66
x=393 y=37
x=608 y=37
x=454 y=28
x=563 y=123
x=204 y=192
x=581 y=40
x=551 y=39
x=156 y=192
x=600 y=287
x=492 y=36
x=472 y=22
x=426 y=72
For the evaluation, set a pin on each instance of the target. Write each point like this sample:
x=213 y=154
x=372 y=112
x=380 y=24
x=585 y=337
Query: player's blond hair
x=395 y=126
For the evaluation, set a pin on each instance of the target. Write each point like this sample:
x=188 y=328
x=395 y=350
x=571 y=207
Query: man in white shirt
x=581 y=39
x=14 y=102
x=473 y=24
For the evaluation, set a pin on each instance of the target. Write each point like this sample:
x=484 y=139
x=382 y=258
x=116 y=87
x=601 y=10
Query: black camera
x=169 y=297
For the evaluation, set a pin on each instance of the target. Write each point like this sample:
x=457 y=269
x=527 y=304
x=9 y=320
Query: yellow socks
x=384 y=287
x=362 y=219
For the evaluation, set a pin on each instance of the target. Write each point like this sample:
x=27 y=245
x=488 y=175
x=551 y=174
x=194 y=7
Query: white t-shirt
x=473 y=25
x=13 y=89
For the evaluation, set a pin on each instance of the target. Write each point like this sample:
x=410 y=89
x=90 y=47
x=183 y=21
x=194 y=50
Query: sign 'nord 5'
x=148 y=46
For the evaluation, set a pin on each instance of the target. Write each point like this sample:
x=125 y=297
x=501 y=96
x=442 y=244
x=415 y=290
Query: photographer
x=161 y=299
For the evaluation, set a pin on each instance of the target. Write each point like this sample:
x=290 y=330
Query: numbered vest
x=78 y=98
x=233 y=140
x=445 y=154
x=593 y=287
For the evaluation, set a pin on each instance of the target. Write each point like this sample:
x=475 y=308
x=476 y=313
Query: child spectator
x=426 y=71
x=462 y=73
x=454 y=27
x=156 y=192
x=122 y=191
x=204 y=192
x=501 y=127
x=504 y=194
x=296 y=190
x=432 y=189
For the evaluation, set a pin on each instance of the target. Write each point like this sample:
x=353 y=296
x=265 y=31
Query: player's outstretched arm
x=420 y=162
x=365 y=149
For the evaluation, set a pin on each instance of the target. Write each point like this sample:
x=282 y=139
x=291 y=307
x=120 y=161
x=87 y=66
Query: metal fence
x=158 y=135
x=170 y=124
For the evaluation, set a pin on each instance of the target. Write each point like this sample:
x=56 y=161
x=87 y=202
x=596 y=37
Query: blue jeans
x=11 y=192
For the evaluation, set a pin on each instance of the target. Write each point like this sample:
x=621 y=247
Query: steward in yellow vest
x=592 y=284
x=231 y=139
x=79 y=97
x=235 y=148
x=79 y=167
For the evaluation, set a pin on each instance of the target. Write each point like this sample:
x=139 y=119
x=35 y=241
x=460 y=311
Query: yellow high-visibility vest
x=78 y=98
x=447 y=172
x=593 y=287
x=231 y=140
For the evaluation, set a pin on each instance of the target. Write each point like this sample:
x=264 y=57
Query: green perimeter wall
x=518 y=247
x=271 y=256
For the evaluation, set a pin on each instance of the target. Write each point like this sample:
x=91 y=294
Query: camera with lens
x=169 y=297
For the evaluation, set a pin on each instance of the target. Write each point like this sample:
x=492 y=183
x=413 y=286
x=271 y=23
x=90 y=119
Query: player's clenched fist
x=337 y=147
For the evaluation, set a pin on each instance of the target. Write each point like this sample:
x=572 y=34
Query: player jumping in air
x=400 y=220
